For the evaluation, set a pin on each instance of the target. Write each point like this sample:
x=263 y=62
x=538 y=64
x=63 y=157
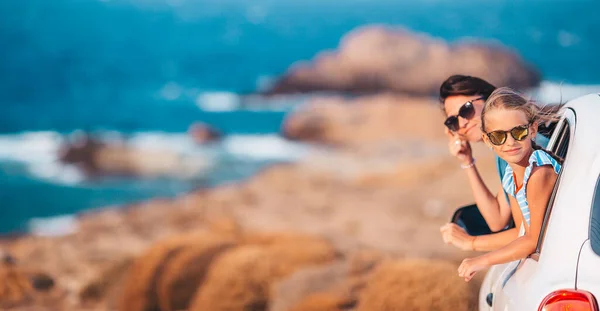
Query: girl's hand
x=459 y=148
x=457 y=236
x=470 y=266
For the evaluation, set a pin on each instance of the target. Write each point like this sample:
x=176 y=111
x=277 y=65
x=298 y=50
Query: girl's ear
x=533 y=129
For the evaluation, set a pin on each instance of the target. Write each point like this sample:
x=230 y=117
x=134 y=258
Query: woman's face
x=512 y=150
x=468 y=128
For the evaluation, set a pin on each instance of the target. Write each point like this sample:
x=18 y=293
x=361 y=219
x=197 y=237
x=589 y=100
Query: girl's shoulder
x=543 y=178
x=541 y=158
x=543 y=170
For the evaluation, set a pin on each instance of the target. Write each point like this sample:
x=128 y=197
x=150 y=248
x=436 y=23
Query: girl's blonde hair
x=507 y=98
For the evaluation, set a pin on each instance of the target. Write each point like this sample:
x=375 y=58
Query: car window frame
x=562 y=138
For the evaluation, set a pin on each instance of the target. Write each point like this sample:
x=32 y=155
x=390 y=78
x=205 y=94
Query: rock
x=202 y=133
x=379 y=58
x=241 y=278
x=96 y=157
x=106 y=287
x=324 y=302
x=186 y=272
x=365 y=120
x=143 y=279
x=417 y=285
x=333 y=286
x=21 y=286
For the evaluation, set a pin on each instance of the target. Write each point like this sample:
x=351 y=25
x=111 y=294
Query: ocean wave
x=53 y=226
x=264 y=147
x=229 y=101
x=260 y=147
x=155 y=140
x=218 y=101
x=38 y=151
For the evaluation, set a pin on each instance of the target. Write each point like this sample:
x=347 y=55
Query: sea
x=145 y=70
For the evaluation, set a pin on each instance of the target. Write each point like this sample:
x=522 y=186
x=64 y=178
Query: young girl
x=509 y=123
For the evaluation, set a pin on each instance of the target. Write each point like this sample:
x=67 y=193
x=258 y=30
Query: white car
x=564 y=272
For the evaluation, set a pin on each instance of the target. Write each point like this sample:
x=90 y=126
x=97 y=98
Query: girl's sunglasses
x=466 y=111
x=518 y=133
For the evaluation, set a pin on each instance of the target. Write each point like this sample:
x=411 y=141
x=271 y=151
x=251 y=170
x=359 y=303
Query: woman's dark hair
x=465 y=85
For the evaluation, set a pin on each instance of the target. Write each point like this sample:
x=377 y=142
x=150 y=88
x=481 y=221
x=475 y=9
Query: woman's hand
x=459 y=148
x=457 y=236
x=470 y=266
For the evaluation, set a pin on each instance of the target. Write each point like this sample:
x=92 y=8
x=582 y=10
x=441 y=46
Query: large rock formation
x=378 y=58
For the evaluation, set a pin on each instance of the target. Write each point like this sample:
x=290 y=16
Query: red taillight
x=569 y=300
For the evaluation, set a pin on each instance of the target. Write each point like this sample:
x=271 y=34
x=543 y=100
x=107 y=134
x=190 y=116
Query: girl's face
x=509 y=124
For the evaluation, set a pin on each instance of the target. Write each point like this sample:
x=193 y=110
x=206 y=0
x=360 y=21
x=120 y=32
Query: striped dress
x=537 y=158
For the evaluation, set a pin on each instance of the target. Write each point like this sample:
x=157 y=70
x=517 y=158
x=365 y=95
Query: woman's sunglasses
x=466 y=111
x=518 y=133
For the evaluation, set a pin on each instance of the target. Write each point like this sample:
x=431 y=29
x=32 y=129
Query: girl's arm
x=539 y=189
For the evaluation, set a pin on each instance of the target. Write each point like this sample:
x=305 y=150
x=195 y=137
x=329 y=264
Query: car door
x=588 y=268
x=509 y=283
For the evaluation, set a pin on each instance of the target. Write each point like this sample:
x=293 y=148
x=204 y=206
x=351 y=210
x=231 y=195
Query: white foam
x=30 y=146
x=281 y=103
x=264 y=147
x=53 y=226
x=156 y=140
x=555 y=92
x=38 y=152
x=218 y=101
x=251 y=147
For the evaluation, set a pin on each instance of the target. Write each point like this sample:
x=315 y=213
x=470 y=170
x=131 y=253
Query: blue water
x=107 y=65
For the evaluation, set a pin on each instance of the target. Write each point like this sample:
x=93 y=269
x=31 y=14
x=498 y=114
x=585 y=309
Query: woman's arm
x=494 y=208
x=539 y=189
x=455 y=235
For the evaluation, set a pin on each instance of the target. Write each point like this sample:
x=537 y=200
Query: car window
x=560 y=149
x=595 y=221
